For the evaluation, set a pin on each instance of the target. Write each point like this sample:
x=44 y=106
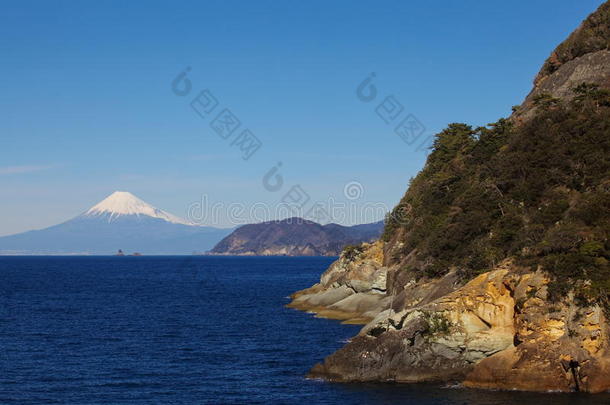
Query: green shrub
x=592 y=248
x=545 y=101
x=436 y=324
x=351 y=252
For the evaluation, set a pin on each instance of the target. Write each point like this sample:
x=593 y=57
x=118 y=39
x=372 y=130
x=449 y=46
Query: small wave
x=452 y=386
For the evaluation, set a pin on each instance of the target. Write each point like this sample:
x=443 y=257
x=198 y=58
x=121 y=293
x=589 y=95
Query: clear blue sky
x=87 y=106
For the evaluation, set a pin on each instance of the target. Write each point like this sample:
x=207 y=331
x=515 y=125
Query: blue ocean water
x=205 y=330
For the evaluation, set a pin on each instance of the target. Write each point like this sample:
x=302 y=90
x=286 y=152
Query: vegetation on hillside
x=539 y=193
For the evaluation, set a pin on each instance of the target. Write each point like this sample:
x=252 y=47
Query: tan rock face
x=494 y=332
x=563 y=345
x=352 y=289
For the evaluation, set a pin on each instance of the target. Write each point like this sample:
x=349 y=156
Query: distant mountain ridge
x=121 y=221
x=295 y=237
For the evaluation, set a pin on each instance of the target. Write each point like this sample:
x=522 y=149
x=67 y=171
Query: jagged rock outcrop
x=589 y=68
x=353 y=289
x=584 y=57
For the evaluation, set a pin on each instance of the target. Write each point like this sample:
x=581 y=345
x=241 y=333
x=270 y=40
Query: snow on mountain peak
x=124 y=203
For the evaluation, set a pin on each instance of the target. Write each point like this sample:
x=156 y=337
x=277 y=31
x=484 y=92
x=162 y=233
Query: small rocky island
x=493 y=270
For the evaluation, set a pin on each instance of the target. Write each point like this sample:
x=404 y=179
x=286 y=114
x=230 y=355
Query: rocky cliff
x=584 y=57
x=493 y=269
x=353 y=289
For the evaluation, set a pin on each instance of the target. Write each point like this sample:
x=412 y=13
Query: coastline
x=492 y=332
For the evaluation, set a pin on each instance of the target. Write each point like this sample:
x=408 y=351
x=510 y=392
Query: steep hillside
x=494 y=265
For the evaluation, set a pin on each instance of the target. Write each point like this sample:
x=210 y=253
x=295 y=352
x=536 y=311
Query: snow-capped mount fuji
x=120 y=221
x=122 y=203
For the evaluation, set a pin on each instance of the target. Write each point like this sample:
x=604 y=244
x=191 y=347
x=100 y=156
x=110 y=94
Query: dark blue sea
x=184 y=330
